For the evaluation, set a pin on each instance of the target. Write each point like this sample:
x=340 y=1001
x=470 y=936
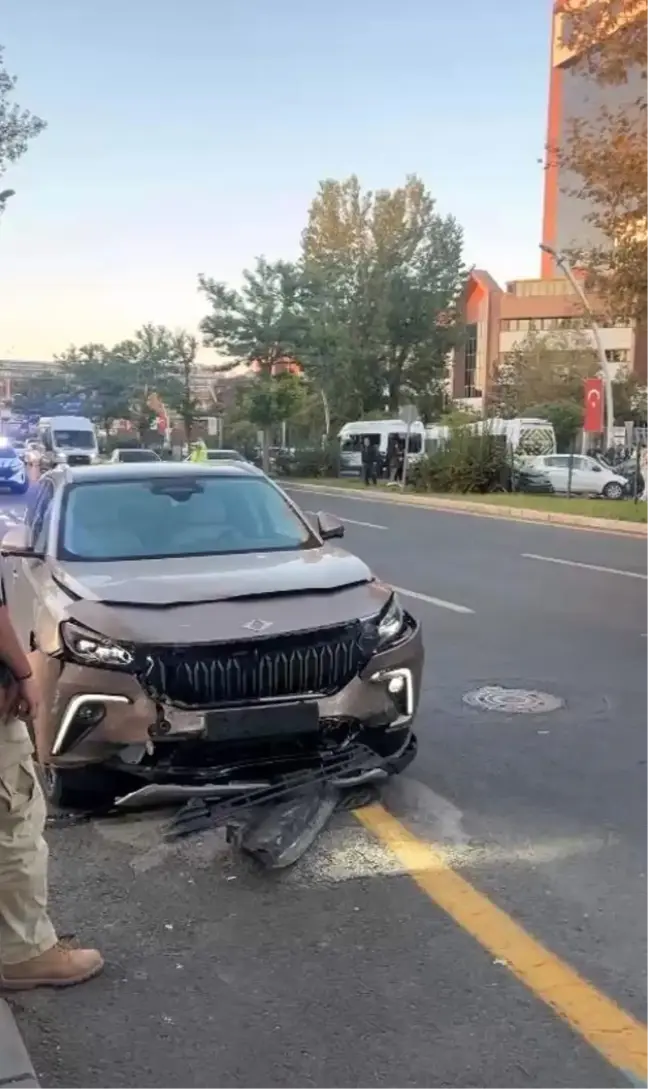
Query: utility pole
x=563 y=264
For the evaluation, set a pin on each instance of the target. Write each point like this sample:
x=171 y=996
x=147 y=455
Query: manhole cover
x=512 y=701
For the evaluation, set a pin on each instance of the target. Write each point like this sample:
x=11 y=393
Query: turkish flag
x=593 y=418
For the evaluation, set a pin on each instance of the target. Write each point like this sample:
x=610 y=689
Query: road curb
x=466 y=506
x=15 y=1065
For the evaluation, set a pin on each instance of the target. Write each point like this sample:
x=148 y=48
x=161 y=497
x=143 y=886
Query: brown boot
x=60 y=966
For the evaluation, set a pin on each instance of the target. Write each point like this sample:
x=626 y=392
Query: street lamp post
x=563 y=263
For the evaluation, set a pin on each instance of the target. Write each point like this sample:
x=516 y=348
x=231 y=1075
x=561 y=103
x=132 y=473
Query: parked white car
x=589 y=477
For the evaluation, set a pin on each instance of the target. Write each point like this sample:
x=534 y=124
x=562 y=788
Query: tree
x=17 y=126
x=629 y=399
x=390 y=270
x=257 y=326
x=606 y=155
x=543 y=369
x=566 y=418
x=273 y=400
x=609 y=37
x=33 y=395
x=100 y=377
x=129 y=379
x=323 y=345
x=184 y=351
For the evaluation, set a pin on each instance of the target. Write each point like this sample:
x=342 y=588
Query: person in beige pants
x=30 y=953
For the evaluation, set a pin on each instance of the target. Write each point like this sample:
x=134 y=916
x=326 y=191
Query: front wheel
x=613 y=490
x=88 y=788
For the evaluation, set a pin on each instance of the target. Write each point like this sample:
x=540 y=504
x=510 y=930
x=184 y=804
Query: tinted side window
x=34 y=501
x=43 y=516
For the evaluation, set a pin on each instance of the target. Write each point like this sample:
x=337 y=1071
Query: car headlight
x=90 y=648
x=391 y=623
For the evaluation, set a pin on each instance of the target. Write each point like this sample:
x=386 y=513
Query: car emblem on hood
x=258 y=626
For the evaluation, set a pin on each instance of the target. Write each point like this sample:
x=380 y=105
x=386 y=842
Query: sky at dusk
x=188 y=137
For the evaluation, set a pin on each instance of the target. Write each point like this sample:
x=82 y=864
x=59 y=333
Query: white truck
x=70 y=440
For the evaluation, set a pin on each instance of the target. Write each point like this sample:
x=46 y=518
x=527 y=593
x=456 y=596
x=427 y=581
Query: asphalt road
x=346 y=972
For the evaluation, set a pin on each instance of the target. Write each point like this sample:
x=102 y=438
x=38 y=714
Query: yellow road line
x=613 y=1032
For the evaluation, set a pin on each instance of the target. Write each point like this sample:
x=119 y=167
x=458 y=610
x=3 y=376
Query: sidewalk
x=15 y=1066
x=475 y=507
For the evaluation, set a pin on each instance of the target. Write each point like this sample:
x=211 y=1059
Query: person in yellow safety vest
x=198 y=451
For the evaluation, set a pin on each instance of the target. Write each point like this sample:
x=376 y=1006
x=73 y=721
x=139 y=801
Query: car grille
x=308 y=663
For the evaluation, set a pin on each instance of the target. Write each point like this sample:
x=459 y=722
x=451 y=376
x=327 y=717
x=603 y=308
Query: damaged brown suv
x=194 y=633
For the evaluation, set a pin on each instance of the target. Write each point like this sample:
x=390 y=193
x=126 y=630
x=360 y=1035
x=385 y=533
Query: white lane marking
x=351 y=521
x=438 y=601
x=586 y=566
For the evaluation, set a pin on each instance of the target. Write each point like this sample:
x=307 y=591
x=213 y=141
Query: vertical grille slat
x=307 y=663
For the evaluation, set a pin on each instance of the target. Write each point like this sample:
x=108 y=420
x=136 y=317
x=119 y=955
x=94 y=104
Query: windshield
x=354 y=443
x=138 y=455
x=8 y=452
x=83 y=440
x=178 y=516
x=224 y=455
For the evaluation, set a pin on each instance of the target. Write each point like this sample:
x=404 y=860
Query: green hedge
x=466 y=463
x=315 y=462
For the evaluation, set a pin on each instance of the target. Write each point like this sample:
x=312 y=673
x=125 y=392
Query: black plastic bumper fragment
x=198 y=814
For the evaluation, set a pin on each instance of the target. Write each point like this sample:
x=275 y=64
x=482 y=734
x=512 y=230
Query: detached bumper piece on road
x=278 y=823
x=274 y=822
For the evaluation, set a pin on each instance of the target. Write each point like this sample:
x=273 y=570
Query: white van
x=528 y=436
x=352 y=435
x=68 y=439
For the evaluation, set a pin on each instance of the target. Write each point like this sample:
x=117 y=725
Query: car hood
x=211 y=598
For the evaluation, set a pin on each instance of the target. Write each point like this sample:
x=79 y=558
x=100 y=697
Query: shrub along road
x=393 y=954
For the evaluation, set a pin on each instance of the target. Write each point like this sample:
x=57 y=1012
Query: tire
x=613 y=490
x=87 y=788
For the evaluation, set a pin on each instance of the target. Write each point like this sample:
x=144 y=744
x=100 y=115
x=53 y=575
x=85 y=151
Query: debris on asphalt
x=274 y=824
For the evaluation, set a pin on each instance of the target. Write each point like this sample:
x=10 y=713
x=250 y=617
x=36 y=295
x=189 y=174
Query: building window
x=617 y=355
x=470 y=361
x=536 y=325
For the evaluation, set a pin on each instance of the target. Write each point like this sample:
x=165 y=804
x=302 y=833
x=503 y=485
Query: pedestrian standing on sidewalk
x=30 y=953
x=369 y=462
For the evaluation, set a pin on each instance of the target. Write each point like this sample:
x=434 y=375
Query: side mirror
x=16 y=543
x=329 y=526
x=596 y=469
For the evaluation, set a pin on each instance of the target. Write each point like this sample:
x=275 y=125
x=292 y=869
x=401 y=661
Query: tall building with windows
x=499 y=319
x=572 y=95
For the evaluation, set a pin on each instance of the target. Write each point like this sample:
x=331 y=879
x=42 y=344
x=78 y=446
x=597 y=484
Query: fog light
x=400 y=686
x=89 y=715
